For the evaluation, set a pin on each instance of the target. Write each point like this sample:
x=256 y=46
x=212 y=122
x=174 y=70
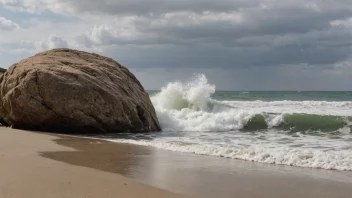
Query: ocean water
x=305 y=129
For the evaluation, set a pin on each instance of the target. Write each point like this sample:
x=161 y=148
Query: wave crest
x=189 y=107
x=194 y=95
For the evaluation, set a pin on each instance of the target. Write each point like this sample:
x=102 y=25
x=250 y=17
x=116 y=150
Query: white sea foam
x=340 y=108
x=193 y=122
x=335 y=160
x=194 y=95
x=189 y=107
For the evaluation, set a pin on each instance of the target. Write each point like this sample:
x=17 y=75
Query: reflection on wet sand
x=203 y=176
x=98 y=154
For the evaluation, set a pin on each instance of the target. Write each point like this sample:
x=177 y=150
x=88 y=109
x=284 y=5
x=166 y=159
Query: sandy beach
x=175 y=98
x=48 y=165
x=25 y=174
x=203 y=176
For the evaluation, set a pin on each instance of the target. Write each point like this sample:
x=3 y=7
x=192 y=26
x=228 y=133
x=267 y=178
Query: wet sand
x=46 y=165
x=26 y=174
x=203 y=176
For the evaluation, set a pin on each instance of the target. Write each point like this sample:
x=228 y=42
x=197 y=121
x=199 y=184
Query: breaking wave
x=189 y=107
x=313 y=134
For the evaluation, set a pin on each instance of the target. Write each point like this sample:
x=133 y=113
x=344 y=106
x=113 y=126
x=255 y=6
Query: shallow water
x=201 y=175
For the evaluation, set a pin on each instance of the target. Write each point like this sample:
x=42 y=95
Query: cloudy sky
x=237 y=44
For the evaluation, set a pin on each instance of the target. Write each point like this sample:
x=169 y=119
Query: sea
x=296 y=128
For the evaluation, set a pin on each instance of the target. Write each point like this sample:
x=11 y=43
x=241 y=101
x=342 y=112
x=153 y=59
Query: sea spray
x=189 y=107
x=177 y=95
x=308 y=133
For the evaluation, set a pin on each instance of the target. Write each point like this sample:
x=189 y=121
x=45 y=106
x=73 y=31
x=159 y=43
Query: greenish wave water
x=301 y=123
x=306 y=129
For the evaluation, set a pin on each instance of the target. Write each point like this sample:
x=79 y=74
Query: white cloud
x=7 y=25
x=344 y=22
x=196 y=34
x=52 y=42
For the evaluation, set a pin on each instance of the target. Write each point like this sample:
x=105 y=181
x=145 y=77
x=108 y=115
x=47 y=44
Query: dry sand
x=26 y=174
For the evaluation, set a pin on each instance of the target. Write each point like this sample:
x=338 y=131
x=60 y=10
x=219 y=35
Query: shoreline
x=105 y=140
x=26 y=174
x=201 y=175
x=178 y=174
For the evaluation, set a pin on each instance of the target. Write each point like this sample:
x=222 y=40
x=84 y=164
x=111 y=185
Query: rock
x=64 y=90
x=2 y=70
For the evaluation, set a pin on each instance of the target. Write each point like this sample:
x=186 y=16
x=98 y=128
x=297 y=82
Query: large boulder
x=64 y=90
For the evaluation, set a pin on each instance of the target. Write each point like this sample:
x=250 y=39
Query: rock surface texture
x=2 y=70
x=64 y=90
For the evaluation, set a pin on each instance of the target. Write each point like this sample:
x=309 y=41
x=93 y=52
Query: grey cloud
x=204 y=33
x=169 y=56
x=251 y=37
x=142 y=7
x=297 y=78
